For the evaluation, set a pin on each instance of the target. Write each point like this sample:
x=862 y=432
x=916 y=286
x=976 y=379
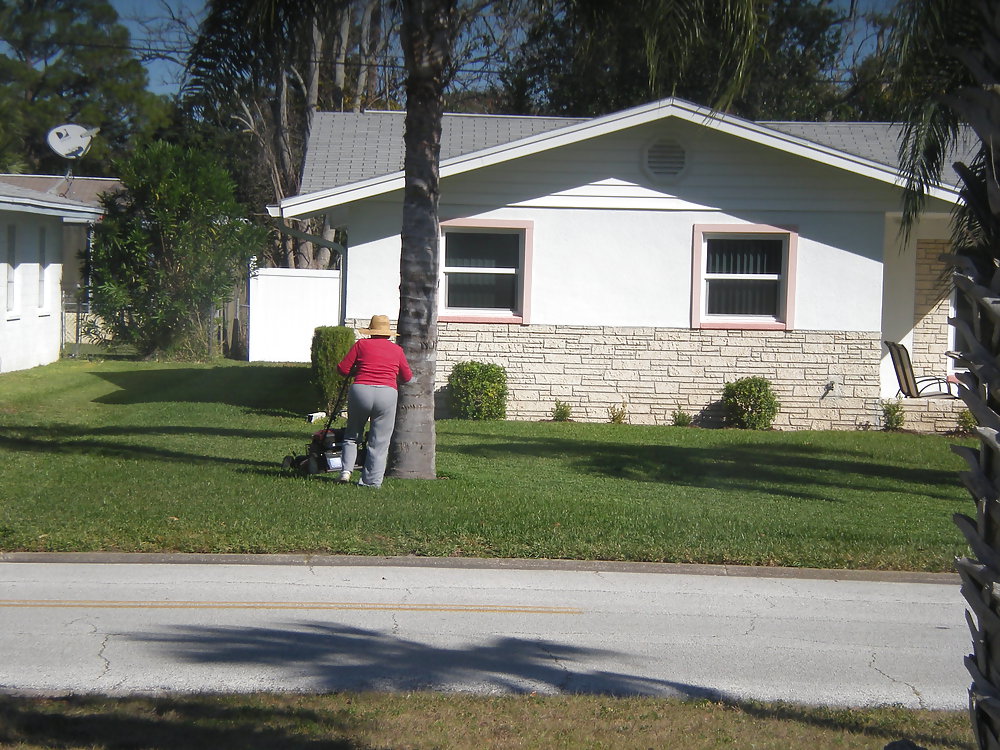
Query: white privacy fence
x=286 y=305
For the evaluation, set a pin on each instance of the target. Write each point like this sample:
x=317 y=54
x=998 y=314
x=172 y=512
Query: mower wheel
x=288 y=463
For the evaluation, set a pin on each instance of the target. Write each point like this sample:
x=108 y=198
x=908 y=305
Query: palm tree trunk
x=980 y=572
x=427 y=38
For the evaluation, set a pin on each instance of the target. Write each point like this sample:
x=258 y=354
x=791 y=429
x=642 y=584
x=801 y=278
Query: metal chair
x=911 y=386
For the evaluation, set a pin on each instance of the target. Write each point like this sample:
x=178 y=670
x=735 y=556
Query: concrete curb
x=736 y=571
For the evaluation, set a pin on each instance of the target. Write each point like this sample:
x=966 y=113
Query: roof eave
x=318 y=202
x=69 y=213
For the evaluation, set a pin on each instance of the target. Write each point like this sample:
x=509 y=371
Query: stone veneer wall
x=931 y=308
x=931 y=338
x=658 y=370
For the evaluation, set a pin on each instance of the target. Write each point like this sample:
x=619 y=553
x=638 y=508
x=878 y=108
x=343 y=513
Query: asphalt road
x=153 y=624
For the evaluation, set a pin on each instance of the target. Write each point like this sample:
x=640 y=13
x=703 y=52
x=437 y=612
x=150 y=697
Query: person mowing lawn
x=378 y=366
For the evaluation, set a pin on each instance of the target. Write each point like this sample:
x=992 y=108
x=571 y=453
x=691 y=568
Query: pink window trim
x=516 y=320
x=528 y=227
x=698 y=280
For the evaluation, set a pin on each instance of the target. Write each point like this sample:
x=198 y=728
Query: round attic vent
x=665 y=159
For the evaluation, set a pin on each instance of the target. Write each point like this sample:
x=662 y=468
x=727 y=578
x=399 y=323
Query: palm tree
x=961 y=40
x=428 y=35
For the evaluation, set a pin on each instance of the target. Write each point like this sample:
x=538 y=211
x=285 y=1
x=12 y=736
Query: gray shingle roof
x=55 y=188
x=876 y=141
x=18 y=194
x=347 y=147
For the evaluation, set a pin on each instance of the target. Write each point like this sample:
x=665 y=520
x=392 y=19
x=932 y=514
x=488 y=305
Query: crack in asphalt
x=913 y=688
x=102 y=657
x=567 y=674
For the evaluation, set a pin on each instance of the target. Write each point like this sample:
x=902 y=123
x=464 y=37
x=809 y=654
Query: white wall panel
x=286 y=306
x=30 y=333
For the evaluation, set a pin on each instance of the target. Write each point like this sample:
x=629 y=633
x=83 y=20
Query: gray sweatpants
x=377 y=403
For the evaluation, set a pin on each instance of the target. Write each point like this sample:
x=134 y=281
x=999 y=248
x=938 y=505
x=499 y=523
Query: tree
x=591 y=57
x=248 y=82
x=428 y=33
x=242 y=74
x=171 y=247
x=790 y=74
x=69 y=61
x=926 y=70
x=959 y=42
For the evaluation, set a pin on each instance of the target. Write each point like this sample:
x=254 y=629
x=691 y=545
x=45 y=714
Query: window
x=961 y=309
x=43 y=267
x=11 y=268
x=743 y=277
x=484 y=270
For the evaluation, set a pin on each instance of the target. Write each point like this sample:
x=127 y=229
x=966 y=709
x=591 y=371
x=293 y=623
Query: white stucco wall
x=30 y=319
x=613 y=248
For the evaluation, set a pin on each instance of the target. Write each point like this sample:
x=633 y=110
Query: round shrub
x=750 y=403
x=478 y=391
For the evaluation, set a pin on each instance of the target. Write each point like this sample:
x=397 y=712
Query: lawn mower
x=324 y=453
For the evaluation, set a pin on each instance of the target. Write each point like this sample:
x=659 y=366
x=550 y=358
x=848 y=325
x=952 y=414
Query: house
x=41 y=233
x=651 y=255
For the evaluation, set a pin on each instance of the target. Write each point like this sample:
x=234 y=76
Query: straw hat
x=378 y=327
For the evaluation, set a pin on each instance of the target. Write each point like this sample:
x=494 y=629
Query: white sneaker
x=345 y=476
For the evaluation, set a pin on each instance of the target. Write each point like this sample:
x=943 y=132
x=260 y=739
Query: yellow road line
x=358 y=606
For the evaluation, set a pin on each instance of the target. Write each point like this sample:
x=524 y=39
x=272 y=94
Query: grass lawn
x=422 y=720
x=126 y=456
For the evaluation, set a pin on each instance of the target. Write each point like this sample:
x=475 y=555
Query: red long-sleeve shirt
x=376 y=361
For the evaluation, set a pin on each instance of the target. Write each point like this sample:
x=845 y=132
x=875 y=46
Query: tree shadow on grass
x=785 y=468
x=102 y=442
x=167 y=724
x=267 y=390
x=242 y=723
x=838 y=721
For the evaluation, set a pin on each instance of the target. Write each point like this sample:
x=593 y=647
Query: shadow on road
x=330 y=657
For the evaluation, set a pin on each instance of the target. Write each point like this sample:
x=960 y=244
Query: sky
x=147 y=22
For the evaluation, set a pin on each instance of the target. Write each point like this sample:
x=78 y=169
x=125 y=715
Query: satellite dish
x=71 y=141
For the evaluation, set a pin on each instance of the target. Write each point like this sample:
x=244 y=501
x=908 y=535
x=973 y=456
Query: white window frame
x=43 y=267
x=521 y=312
x=11 y=266
x=953 y=346
x=700 y=318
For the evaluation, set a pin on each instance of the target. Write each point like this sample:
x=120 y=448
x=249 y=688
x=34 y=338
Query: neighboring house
x=41 y=232
x=651 y=255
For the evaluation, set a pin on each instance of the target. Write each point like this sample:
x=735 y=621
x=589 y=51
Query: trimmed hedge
x=330 y=344
x=750 y=403
x=478 y=391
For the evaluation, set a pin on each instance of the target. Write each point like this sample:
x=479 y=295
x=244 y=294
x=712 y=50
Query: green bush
x=618 y=414
x=750 y=403
x=173 y=244
x=329 y=345
x=966 y=423
x=893 y=415
x=562 y=411
x=680 y=418
x=478 y=391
